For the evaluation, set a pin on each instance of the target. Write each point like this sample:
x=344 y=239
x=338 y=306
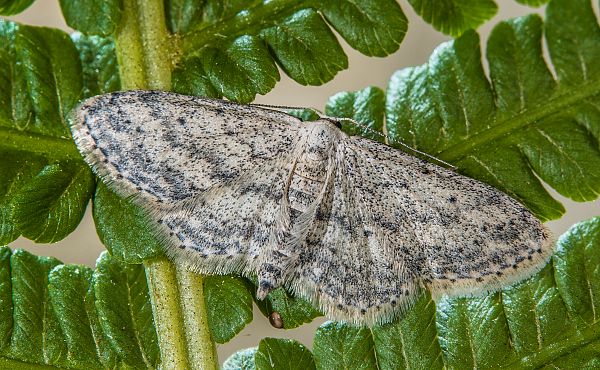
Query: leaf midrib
x=9 y=363
x=569 y=98
x=53 y=148
x=546 y=355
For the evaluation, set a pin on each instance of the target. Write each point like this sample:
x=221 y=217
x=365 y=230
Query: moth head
x=322 y=135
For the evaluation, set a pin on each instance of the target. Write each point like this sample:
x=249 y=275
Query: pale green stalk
x=178 y=306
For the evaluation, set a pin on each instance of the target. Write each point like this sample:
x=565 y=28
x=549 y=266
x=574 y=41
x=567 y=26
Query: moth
x=354 y=226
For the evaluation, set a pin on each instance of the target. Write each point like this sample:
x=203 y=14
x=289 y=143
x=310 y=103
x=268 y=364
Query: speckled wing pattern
x=352 y=225
x=471 y=237
x=165 y=147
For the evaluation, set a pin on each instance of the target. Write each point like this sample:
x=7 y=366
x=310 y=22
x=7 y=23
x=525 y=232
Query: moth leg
x=271 y=272
x=275 y=260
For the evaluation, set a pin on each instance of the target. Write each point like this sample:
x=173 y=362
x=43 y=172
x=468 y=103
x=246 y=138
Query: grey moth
x=352 y=225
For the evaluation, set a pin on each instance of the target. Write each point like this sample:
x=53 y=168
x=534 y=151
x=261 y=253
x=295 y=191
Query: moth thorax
x=311 y=167
x=321 y=137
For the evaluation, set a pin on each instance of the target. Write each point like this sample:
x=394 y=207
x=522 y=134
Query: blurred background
x=83 y=245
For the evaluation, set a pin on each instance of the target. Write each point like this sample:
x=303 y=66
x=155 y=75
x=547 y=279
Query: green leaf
x=229 y=306
x=50 y=206
x=191 y=79
x=99 y=62
x=107 y=356
x=67 y=316
x=47 y=65
x=375 y=28
x=274 y=353
x=515 y=46
x=298 y=38
x=576 y=262
x=45 y=185
x=241 y=360
x=181 y=14
x=533 y=2
x=294 y=311
x=480 y=320
x=6 y=304
x=11 y=7
x=453 y=17
x=564 y=316
x=305 y=114
x=215 y=11
x=16 y=172
x=124 y=228
x=365 y=106
x=241 y=70
x=340 y=346
x=6 y=363
x=306 y=49
x=41 y=73
x=92 y=17
x=541 y=326
x=67 y=286
x=411 y=342
x=36 y=334
x=573 y=38
x=123 y=304
x=521 y=126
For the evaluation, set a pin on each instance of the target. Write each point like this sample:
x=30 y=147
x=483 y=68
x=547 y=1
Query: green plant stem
x=142 y=46
x=129 y=49
x=201 y=348
x=177 y=297
x=164 y=295
x=155 y=45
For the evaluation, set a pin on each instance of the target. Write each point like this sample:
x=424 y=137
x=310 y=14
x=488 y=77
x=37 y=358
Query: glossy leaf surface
x=70 y=316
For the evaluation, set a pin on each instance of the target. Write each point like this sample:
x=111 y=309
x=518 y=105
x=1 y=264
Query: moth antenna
x=385 y=137
x=285 y=107
x=392 y=142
